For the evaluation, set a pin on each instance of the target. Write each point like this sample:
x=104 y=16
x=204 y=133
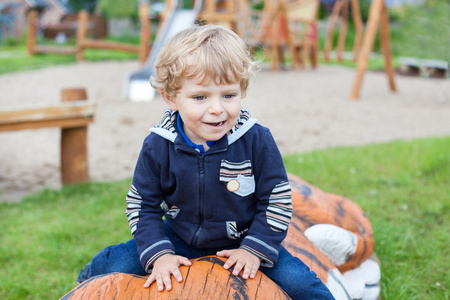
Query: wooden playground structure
x=341 y=7
x=294 y=26
x=73 y=116
x=378 y=17
x=280 y=26
x=221 y=12
x=84 y=42
x=275 y=28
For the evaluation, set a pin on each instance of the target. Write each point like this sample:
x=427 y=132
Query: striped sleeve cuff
x=265 y=261
x=152 y=253
x=149 y=265
x=261 y=249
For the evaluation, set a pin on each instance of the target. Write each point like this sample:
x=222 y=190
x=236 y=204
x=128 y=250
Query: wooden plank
x=69 y=123
x=55 y=49
x=218 y=17
x=77 y=113
x=98 y=44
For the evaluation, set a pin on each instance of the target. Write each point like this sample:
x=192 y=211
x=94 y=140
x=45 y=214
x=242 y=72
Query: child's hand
x=241 y=259
x=163 y=267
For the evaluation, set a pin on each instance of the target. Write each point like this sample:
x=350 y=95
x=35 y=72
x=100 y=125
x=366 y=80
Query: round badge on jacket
x=233 y=185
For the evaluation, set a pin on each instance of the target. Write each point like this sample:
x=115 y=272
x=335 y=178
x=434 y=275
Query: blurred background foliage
x=119 y=8
x=423 y=30
x=418 y=28
x=89 y=5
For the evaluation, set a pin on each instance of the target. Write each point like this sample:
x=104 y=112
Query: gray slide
x=137 y=84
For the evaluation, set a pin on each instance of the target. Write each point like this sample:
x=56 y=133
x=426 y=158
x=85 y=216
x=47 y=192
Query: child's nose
x=215 y=106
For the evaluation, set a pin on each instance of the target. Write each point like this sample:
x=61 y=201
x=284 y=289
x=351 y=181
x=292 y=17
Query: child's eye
x=200 y=98
x=229 y=96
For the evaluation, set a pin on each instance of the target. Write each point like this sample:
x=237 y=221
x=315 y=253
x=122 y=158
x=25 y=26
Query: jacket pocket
x=238 y=177
x=232 y=231
x=170 y=211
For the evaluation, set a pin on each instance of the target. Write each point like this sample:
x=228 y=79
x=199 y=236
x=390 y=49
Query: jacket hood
x=166 y=128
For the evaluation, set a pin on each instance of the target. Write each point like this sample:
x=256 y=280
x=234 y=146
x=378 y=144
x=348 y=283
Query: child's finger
x=160 y=283
x=249 y=271
x=167 y=282
x=238 y=268
x=253 y=272
x=177 y=274
x=149 y=281
x=224 y=253
x=184 y=261
x=230 y=262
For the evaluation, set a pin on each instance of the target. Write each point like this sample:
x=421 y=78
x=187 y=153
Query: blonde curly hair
x=210 y=51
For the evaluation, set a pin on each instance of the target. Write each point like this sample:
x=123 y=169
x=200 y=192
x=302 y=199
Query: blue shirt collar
x=198 y=148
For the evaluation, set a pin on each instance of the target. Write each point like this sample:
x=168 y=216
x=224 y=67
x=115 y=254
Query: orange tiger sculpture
x=204 y=279
x=329 y=233
x=333 y=236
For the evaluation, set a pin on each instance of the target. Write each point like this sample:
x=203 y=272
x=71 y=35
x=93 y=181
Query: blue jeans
x=289 y=272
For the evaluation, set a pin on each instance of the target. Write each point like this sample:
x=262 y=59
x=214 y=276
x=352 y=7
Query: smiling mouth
x=217 y=124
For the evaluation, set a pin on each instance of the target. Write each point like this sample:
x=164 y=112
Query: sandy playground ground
x=305 y=110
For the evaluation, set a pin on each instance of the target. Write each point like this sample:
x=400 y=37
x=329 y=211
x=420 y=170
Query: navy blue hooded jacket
x=236 y=195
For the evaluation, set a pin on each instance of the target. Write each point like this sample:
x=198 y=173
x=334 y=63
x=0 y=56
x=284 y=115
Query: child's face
x=208 y=111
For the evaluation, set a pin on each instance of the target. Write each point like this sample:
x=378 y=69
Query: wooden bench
x=73 y=116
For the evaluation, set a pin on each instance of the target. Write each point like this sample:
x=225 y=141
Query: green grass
x=402 y=186
x=49 y=237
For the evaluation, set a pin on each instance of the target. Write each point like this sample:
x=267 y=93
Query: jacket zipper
x=201 y=197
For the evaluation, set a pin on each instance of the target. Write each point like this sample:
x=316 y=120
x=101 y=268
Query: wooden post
x=230 y=6
x=331 y=24
x=357 y=20
x=377 y=14
x=342 y=32
x=83 y=19
x=385 y=43
x=279 y=35
x=275 y=36
x=145 y=40
x=74 y=159
x=210 y=6
x=31 y=34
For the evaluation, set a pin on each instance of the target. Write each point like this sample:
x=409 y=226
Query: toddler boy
x=215 y=175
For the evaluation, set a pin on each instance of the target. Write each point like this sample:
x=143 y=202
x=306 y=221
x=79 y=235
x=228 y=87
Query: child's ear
x=169 y=100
